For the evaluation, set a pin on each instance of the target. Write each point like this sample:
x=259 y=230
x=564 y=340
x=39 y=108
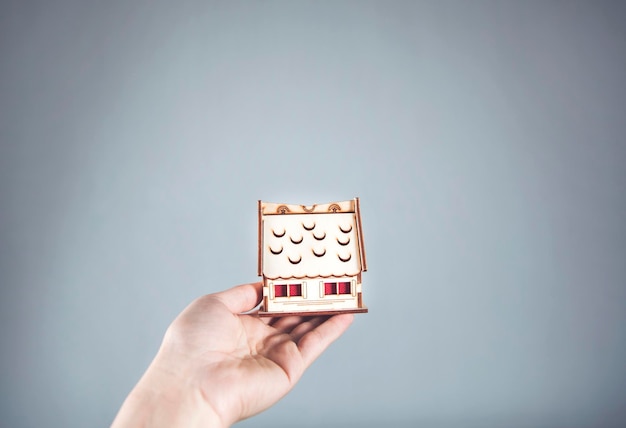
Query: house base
x=362 y=310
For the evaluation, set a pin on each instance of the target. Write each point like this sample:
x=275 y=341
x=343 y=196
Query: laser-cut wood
x=306 y=247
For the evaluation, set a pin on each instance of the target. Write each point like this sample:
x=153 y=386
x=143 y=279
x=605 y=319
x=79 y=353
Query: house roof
x=297 y=241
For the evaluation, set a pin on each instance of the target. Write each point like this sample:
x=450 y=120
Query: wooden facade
x=311 y=258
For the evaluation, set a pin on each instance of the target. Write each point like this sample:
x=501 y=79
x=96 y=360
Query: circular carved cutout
x=276 y=252
x=319 y=238
x=345 y=259
x=344 y=243
x=319 y=254
x=279 y=234
x=346 y=230
x=294 y=262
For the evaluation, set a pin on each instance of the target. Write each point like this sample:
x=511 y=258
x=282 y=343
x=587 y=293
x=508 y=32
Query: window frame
x=288 y=286
x=334 y=283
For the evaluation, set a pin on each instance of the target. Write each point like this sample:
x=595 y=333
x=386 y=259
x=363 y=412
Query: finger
x=267 y=320
x=241 y=298
x=286 y=324
x=314 y=342
x=304 y=327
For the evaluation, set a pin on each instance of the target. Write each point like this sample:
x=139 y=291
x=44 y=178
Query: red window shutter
x=280 y=290
x=344 y=288
x=295 y=289
x=330 y=288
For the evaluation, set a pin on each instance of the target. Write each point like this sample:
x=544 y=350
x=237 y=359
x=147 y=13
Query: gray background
x=485 y=139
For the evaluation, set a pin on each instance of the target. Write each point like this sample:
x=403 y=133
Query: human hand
x=217 y=366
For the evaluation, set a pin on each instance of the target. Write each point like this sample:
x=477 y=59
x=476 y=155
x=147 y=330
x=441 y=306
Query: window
x=332 y=288
x=287 y=290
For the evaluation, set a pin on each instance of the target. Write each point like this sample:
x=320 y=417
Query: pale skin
x=217 y=366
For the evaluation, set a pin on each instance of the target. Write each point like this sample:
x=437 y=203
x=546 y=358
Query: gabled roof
x=297 y=241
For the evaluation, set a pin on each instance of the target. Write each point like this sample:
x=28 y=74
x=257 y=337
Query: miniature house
x=311 y=258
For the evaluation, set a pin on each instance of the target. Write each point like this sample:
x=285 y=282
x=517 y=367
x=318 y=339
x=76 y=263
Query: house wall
x=313 y=298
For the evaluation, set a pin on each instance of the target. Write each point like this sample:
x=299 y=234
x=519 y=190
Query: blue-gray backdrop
x=485 y=139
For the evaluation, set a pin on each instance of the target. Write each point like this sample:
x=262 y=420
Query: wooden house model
x=311 y=258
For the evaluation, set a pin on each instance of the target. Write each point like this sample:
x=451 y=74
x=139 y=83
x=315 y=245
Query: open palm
x=242 y=364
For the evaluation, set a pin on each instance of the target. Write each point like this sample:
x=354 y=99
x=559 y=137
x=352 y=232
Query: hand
x=217 y=366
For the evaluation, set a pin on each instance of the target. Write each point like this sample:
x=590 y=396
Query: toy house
x=311 y=258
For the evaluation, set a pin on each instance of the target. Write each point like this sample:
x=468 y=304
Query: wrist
x=165 y=399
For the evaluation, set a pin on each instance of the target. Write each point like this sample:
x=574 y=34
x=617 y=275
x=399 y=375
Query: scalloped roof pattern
x=310 y=245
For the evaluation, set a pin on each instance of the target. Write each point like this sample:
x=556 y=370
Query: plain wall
x=486 y=141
